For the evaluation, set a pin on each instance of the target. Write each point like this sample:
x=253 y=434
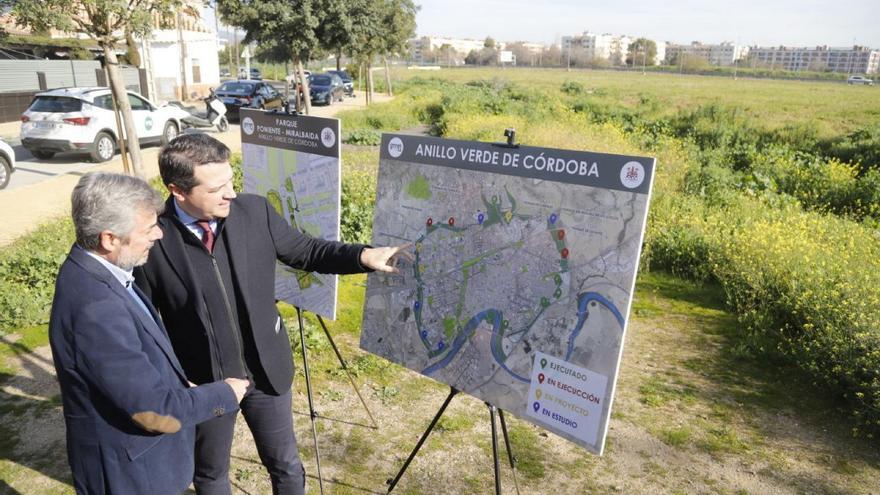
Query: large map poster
x=525 y=265
x=294 y=162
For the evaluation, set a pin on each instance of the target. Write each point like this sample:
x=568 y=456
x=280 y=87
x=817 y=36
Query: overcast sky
x=747 y=22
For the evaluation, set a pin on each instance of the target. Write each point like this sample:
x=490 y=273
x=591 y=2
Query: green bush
x=28 y=269
x=363 y=137
x=572 y=87
x=358 y=197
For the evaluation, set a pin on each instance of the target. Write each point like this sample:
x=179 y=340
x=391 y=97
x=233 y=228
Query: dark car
x=324 y=88
x=347 y=83
x=248 y=94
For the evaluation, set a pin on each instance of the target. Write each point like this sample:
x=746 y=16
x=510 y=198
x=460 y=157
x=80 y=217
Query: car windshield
x=342 y=74
x=236 y=88
x=56 y=104
x=321 y=80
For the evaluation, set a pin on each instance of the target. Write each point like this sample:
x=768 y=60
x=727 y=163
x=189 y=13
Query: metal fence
x=20 y=80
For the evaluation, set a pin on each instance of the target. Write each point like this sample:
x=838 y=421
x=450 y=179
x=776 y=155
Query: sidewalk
x=27 y=207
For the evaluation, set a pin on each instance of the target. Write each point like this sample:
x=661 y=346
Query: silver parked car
x=860 y=80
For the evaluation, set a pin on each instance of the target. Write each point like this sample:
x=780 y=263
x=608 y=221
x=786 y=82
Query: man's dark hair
x=179 y=158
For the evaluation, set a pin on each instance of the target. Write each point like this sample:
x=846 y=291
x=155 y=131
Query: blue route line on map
x=462 y=337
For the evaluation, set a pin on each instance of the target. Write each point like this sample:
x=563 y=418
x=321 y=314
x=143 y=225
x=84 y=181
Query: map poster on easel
x=525 y=266
x=294 y=161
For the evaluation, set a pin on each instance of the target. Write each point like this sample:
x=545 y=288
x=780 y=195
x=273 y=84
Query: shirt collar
x=123 y=276
x=187 y=219
x=184 y=217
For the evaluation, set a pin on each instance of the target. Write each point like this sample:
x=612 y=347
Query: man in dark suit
x=212 y=277
x=129 y=410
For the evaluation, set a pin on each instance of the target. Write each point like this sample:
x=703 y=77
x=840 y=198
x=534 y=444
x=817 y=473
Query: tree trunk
x=307 y=97
x=387 y=76
x=339 y=59
x=118 y=88
x=369 y=82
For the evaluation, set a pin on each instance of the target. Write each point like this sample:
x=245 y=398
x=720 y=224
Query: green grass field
x=834 y=107
x=752 y=358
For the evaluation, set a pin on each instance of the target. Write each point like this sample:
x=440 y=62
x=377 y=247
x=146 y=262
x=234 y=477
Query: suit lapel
x=235 y=230
x=172 y=246
x=153 y=326
x=162 y=337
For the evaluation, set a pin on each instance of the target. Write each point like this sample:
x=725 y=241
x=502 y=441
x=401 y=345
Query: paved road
x=40 y=190
x=30 y=170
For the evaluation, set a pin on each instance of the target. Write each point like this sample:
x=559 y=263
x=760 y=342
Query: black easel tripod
x=510 y=135
x=312 y=414
x=492 y=410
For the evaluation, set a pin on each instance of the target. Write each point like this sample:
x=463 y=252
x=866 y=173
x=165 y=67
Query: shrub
x=28 y=269
x=363 y=137
x=358 y=197
x=572 y=88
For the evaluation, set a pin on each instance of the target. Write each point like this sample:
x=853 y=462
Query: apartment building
x=855 y=60
x=723 y=54
x=598 y=46
x=419 y=47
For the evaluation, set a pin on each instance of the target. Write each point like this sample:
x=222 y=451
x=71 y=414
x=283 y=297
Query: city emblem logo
x=632 y=175
x=247 y=125
x=148 y=123
x=395 y=147
x=328 y=137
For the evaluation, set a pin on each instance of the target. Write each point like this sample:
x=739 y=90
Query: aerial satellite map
x=521 y=284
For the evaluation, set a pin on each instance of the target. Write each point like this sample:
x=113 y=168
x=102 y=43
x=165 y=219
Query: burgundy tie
x=207 y=234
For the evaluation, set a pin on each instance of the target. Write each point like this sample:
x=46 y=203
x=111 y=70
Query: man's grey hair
x=107 y=201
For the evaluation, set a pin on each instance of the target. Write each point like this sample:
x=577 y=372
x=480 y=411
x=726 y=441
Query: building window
x=197 y=71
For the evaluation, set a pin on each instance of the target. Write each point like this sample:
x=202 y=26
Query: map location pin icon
x=536 y=406
x=543 y=363
x=538 y=394
x=540 y=377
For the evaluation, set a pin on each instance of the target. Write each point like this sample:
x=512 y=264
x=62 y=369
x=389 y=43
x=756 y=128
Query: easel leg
x=495 y=449
x=347 y=373
x=509 y=451
x=393 y=483
x=312 y=413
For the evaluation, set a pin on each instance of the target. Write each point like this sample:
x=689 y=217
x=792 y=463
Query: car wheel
x=169 y=133
x=223 y=125
x=104 y=147
x=42 y=155
x=5 y=172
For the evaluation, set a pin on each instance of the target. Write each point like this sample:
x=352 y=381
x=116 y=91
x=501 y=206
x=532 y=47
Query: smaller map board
x=525 y=265
x=294 y=161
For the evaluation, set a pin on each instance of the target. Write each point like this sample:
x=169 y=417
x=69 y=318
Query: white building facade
x=610 y=47
x=182 y=61
x=419 y=47
x=855 y=60
x=723 y=54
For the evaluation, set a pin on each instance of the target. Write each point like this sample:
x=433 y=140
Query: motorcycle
x=214 y=114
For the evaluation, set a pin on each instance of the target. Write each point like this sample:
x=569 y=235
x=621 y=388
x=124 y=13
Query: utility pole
x=235 y=49
x=568 y=62
x=182 y=51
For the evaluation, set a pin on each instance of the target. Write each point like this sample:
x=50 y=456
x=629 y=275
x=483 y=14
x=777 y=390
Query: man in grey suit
x=129 y=410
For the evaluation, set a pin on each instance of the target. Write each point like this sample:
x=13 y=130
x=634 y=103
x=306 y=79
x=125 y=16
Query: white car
x=860 y=80
x=7 y=163
x=81 y=119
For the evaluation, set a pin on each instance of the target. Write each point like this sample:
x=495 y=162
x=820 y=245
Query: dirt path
x=28 y=206
x=691 y=415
